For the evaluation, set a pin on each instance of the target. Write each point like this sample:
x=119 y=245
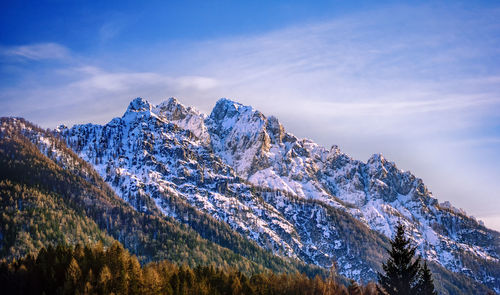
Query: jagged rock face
x=281 y=191
x=185 y=117
x=149 y=160
x=139 y=105
x=173 y=110
x=238 y=135
x=275 y=130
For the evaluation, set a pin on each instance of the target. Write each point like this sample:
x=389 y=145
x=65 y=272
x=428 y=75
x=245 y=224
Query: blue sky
x=417 y=81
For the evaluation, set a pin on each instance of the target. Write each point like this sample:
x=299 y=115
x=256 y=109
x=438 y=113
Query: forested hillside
x=32 y=219
x=95 y=270
x=78 y=207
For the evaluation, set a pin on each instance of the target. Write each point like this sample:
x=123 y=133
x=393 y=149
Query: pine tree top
x=402 y=269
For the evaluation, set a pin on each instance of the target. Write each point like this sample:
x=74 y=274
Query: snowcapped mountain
x=290 y=195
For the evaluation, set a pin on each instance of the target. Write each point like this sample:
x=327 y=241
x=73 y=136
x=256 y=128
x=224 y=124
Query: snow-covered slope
x=285 y=193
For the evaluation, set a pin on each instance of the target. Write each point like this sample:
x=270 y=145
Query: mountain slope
x=145 y=157
x=32 y=219
x=376 y=192
x=32 y=216
x=289 y=195
x=44 y=171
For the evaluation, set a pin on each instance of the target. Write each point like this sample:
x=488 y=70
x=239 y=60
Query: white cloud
x=96 y=80
x=196 y=82
x=40 y=51
x=93 y=94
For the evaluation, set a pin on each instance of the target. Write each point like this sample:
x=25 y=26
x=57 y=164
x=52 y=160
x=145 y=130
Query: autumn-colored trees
x=97 y=270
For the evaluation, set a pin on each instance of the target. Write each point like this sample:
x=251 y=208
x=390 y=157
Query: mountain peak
x=170 y=103
x=139 y=104
x=172 y=109
x=185 y=117
x=226 y=108
x=377 y=158
x=173 y=100
x=228 y=102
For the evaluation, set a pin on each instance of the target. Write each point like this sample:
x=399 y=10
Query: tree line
x=113 y=270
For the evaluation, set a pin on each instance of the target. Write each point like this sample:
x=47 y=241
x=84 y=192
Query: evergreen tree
x=73 y=276
x=104 y=280
x=354 y=288
x=426 y=284
x=402 y=271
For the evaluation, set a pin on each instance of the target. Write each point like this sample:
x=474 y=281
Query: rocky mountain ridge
x=50 y=196
x=290 y=195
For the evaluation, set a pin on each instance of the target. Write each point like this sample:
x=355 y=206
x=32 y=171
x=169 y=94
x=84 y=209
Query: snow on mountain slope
x=380 y=193
x=186 y=118
x=259 y=150
x=243 y=168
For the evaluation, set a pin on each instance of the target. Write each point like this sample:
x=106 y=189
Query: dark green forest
x=96 y=270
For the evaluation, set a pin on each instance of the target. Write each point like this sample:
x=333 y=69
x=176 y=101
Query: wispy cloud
x=98 y=80
x=373 y=72
x=40 y=51
x=93 y=94
x=410 y=82
x=479 y=141
x=111 y=29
